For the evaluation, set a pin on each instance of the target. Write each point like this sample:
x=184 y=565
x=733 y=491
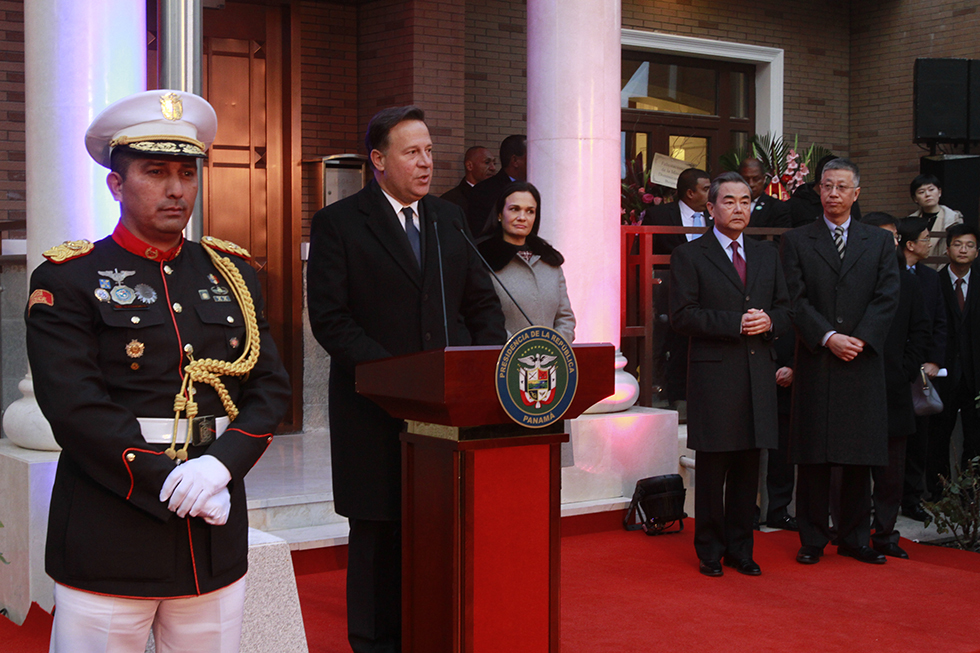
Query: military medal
x=102 y=294
x=221 y=298
x=135 y=349
x=219 y=290
x=145 y=293
x=121 y=294
x=213 y=279
x=204 y=294
x=234 y=343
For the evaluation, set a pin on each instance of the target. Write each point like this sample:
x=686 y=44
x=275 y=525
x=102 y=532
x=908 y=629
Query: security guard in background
x=153 y=362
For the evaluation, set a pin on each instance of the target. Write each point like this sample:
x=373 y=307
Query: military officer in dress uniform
x=153 y=362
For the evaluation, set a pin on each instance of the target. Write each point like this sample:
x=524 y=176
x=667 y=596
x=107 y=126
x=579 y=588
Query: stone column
x=573 y=116
x=79 y=57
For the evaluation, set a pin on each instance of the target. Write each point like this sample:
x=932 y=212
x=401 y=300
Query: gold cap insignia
x=68 y=250
x=171 y=106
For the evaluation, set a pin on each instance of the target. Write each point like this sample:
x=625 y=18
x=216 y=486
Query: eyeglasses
x=958 y=245
x=840 y=188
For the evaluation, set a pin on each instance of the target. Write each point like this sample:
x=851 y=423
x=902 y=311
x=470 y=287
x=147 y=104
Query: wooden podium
x=481 y=500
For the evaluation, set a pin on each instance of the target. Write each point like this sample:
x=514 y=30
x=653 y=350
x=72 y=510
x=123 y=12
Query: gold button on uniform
x=130 y=457
x=177 y=307
x=135 y=319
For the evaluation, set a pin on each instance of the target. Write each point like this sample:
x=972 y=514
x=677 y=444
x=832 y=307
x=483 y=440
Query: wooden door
x=251 y=181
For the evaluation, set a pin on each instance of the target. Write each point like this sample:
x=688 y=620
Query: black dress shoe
x=785 y=522
x=809 y=555
x=862 y=554
x=711 y=568
x=745 y=566
x=918 y=513
x=892 y=550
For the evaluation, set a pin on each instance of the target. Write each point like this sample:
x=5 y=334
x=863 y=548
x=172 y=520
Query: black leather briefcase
x=657 y=505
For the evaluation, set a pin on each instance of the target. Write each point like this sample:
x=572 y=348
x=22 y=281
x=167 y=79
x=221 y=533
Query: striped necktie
x=839 y=240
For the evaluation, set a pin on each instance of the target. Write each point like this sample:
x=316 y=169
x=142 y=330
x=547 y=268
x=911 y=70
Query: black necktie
x=413 y=234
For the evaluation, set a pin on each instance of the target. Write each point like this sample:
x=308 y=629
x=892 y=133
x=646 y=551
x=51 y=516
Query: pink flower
x=622 y=211
x=658 y=200
x=647 y=198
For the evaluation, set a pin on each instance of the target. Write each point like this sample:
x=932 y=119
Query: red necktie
x=738 y=262
x=960 y=297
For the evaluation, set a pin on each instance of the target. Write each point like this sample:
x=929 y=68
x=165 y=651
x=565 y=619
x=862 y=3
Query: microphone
x=442 y=283
x=458 y=225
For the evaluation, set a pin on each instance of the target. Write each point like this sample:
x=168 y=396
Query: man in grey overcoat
x=844 y=286
x=728 y=295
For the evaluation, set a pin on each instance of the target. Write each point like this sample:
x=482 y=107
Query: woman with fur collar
x=527 y=265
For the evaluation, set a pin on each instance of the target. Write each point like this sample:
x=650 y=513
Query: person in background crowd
x=513 y=167
x=905 y=352
x=479 y=164
x=843 y=278
x=728 y=295
x=958 y=389
x=690 y=210
x=527 y=265
x=804 y=205
x=914 y=243
x=375 y=291
x=926 y=191
x=780 y=470
x=767 y=211
x=139 y=341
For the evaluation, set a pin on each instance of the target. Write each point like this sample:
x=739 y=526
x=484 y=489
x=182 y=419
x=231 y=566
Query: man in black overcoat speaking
x=373 y=279
x=843 y=283
x=728 y=295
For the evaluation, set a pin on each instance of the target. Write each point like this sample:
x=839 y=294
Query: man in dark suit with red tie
x=727 y=294
x=843 y=279
x=375 y=291
x=958 y=389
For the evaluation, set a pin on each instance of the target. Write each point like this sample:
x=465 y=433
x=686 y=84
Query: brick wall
x=12 y=151
x=886 y=38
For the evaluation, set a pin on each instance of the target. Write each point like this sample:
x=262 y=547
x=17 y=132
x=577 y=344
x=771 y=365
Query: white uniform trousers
x=94 y=623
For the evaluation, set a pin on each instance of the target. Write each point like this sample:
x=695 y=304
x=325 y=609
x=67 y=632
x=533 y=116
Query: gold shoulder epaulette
x=225 y=246
x=68 y=250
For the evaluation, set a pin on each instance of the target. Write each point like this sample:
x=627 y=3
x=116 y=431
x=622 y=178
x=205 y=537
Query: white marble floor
x=294 y=466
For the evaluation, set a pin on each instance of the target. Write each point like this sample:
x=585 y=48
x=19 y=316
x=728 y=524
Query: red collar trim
x=125 y=239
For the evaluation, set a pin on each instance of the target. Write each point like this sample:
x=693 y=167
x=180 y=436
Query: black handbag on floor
x=658 y=503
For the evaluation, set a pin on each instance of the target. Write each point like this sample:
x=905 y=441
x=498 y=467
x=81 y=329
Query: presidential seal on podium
x=536 y=376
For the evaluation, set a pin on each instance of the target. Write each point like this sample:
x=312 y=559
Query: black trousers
x=724 y=503
x=813 y=505
x=887 y=492
x=957 y=398
x=780 y=475
x=916 y=451
x=374 y=582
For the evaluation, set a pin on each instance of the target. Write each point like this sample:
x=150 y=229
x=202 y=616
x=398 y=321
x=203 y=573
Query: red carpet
x=629 y=592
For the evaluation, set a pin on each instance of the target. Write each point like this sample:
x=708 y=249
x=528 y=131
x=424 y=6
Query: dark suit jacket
x=769 y=213
x=459 y=194
x=935 y=305
x=369 y=300
x=731 y=388
x=668 y=215
x=481 y=202
x=839 y=408
x=962 y=353
x=905 y=350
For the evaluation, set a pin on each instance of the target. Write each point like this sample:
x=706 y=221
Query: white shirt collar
x=687 y=214
x=726 y=243
x=398 y=206
x=832 y=226
x=953 y=277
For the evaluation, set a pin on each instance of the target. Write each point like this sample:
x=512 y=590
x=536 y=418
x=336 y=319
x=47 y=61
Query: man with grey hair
x=728 y=295
x=844 y=284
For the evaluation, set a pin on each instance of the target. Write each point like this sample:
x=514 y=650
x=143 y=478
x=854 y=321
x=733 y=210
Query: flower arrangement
x=639 y=194
x=788 y=166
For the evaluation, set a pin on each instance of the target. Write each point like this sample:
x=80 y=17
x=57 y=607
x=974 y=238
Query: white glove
x=215 y=510
x=191 y=484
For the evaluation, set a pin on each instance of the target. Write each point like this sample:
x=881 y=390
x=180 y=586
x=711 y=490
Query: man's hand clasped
x=844 y=347
x=199 y=488
x=755 y=321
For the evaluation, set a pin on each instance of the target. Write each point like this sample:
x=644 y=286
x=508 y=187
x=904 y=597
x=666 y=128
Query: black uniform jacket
x=731 y=383
x=905 y=352
x=368 y=299
x=105 y=343
x=839 y=408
